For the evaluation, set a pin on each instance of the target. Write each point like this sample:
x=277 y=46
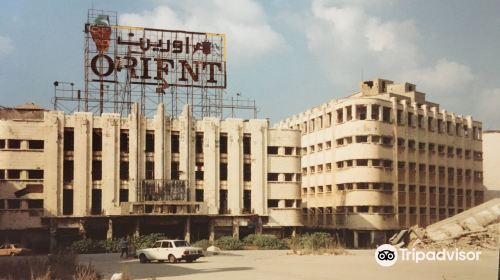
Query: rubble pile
x=475 y=229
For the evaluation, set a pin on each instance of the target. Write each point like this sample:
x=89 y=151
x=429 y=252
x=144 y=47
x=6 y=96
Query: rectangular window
x=174 y=143
x=386 y=114
x=97 y=140
x=272 y=203
x=68 y=171
x=35 y=144
x=13 y=204
x=199 y=143
x=124 y=175
x=69 y=139
x=14 y=144
x=288 y=151
x=247 y=201
x=2 y=174
x=223 y=202
x=150 y=141
x=247 y=146
x=150 y=170
x=96 y=170
x=35 y=204
x=272 y=177
x=13 y=174
x=247 y=172
x=123 y=195
x=289 y=177
x=199 y=195
x=96 y=207
x=199 y=175
x=124 y=140
x=223 y=143
x=2 y=143
x=174 y=171
x=67 y=202
x=223 y=172
x=272 y=150
x=35 y=174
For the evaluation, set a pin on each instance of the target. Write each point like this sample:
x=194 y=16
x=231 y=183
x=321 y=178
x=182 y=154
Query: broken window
x=13 y=174
x=386 y=114
x=247 y=172
x=96 y=170
x=35 y=174
x=97 y=140
x=14 y=144
x=124 y=140
x=150 y=170
x=223 y=202
x=272 y=150
x=247 y=148
x=272 y=203
x=150 y=141
x=96 y=207
x=123 y=195
x=361 y=112
x=273 y=177
x=199 y=195
x=223 y=171
x=35 y=144
x=174 y=171
x=223 y=143
x=68 y=171
x=35 y=204
x=67 y=202
x=175 y=143
x=199 y=143
x=375 y=109
x=124 y=175
x=69 y=139
x=340 y=116
x=247 y=201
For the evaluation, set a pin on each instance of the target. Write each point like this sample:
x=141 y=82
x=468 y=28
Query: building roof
x=29 y=106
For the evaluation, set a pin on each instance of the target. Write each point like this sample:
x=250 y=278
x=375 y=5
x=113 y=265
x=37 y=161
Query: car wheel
x=142 y=258
x=172 y=259
x=12 y=254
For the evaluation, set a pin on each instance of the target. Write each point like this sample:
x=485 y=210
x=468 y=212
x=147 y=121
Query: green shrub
x=265 y=242
x=315 y=243
x=229 y=243
x=204 y=244
x=87 y=246
x=147 y=241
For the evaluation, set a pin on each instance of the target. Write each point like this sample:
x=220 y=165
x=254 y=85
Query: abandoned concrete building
x=491 y=161
x=383 y=159
x=67 y=176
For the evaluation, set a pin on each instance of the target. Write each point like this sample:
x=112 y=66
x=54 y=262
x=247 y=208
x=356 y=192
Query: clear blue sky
x=288 y=55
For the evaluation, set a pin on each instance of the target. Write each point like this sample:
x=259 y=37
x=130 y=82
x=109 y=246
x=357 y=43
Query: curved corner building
x=384 y=159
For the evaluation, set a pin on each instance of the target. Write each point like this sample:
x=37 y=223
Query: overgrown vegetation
x=58 y=266
x=204 y=244
x=90 y=246
x=229 y=243
x=265 y=242
x=316 y=243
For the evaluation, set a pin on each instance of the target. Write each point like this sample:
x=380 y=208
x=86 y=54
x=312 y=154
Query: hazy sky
x=288 y=55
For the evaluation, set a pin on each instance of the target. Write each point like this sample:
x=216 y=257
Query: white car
x=171 y=250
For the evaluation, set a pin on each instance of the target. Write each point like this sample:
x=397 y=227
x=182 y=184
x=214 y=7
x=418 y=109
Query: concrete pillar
x=211 y=164
x=236 y=228
x=353 y=112
x=294 y=231
x=52 y=236
x=187 y=229
x=211 y=230
x=137 y=228
x=110 y=161
x=159 y=153
x=259 y=133
x=258 y=225
x=235 y=165
x=82 y=183
x=109 y=233
x=134 y=157
x=381 y=113
x=369 y=111
x=344 y=114
x=372 y=238
x=356 y=239
x=53 y=171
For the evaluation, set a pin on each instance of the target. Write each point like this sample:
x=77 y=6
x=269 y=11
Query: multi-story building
x=67 y=176
x=383 y=159
x=491 y=150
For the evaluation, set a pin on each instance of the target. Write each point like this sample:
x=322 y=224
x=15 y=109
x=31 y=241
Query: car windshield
x=181 y=244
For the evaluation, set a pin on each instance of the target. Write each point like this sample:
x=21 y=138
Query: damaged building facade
x=66 y=176
x=384 y=159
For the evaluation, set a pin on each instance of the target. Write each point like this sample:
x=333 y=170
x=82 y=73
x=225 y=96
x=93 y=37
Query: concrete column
x=235 y=165
x=236 y=228
x=187 y=150
x=109 y=233
x=53 y=171
x=259 y=132
x=110 y=161
x=344 y=114
x=356 y=239
x=211 y=230
x=211 y=163
x=82 y=184
x=134 y=144
x=137 y=228
x=353 y=112
x=187 y=229
x=258 y=226
x=369 y=111
x=52 y=236
x=372 y=238
x=159 y=153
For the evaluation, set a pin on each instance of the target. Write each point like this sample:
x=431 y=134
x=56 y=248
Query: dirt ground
x=278 y=265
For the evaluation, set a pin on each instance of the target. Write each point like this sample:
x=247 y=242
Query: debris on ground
x=477 y=228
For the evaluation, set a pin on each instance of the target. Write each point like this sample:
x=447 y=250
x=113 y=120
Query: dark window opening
x=14 y=144
x=362 y=209
x=97 y=140
x=247 y=201
x=35 y=174
x=272 y=176
x=13 y=174
x=272 y=150
x=362 y=139
x=67 y=202
x=289 y=203
x=247 y=172
x=69 y=140
x=386 y=114
x=199 y=174
x=124 y=175
x=35 y=204
x=289 y=177
x=175 y=143
x=199 y=143
x=272 y=203
x=288 y=151
x=96 y=208
x=223 y=171
x=35 y=144
x=362 y=162
x=150 y=170
x=68 y=171
x=386 y=140
x=13 y=204
x=199 y=195
x=2 y=144
x=123 y=195
x=174 y=171
x=340 y=116
x=96 y=170
x=247 y=146
x=223 y=143
x=2 y=174
x=150 y=141
x=223 y=202
x=124 y=140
